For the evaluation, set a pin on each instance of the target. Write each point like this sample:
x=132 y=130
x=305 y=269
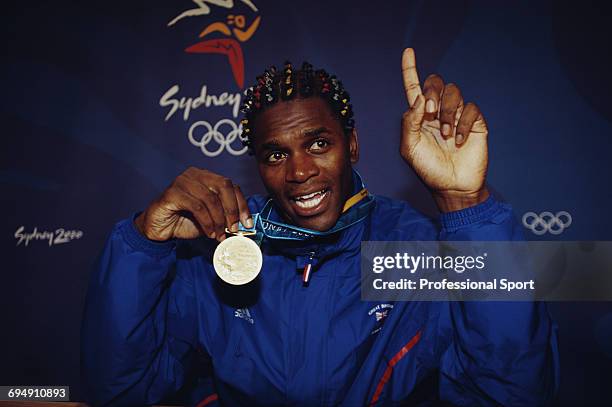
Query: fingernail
x=445 y=129
x=249 y=223
x=234 y=227
x=430 y=106
x=459 y=138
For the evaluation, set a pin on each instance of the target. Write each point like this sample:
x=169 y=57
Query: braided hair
x=274 y=85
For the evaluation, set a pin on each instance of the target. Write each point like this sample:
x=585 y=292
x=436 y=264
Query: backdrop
x=104 y=103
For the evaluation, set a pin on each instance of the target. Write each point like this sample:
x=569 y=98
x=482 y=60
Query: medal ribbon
x=355 y=209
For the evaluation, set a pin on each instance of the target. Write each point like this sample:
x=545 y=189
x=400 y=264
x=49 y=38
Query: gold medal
x=237 y=260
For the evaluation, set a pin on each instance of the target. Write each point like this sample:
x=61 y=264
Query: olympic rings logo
x=547 y=222
x=212 y=134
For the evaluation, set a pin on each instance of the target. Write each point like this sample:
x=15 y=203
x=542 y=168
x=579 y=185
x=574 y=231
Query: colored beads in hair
x=287 y=84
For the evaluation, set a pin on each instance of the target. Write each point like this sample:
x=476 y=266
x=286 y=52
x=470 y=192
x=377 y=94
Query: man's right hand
x=197 y=203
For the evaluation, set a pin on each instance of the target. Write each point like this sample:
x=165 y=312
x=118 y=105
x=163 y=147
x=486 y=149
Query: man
x=299 y=334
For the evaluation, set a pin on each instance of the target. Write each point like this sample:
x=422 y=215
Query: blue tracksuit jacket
x=158 y=321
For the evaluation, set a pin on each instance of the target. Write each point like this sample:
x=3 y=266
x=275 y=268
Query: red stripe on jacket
x=389 y=370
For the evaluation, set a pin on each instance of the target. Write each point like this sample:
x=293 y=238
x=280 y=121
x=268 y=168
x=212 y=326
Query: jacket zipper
x=308 y=269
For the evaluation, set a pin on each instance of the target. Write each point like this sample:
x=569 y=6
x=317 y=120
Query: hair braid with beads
x=274 y=85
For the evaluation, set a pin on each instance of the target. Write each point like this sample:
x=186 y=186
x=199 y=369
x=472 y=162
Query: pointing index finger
x=410 y=76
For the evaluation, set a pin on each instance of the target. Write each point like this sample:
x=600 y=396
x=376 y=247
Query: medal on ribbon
x=238 y=259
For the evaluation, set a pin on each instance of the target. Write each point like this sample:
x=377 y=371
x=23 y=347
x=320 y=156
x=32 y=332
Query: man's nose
x=301 y=168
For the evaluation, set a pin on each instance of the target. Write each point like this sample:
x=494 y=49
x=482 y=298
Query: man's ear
x=353 y=146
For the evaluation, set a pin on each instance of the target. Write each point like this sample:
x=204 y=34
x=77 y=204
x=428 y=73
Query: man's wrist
x=451 y=201
x=138 y=241
x=139 y=224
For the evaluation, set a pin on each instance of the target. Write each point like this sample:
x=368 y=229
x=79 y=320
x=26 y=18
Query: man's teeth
x=310 y=200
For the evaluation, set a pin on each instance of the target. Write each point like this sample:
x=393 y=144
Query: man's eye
x=276 y=156
x=319 y=145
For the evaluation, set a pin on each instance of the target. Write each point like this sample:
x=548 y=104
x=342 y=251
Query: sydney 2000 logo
x=226 y=38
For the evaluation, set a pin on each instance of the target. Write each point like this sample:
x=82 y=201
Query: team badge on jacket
x=380 y=312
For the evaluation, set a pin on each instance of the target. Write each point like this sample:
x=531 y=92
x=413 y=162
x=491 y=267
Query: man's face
x=304 y=160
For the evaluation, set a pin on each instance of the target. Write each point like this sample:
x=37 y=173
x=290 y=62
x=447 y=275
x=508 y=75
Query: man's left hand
x=443 y=139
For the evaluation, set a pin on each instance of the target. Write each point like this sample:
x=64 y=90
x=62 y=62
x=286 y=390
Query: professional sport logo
x=232 y=32
x=216 y=37
x=545 y=222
